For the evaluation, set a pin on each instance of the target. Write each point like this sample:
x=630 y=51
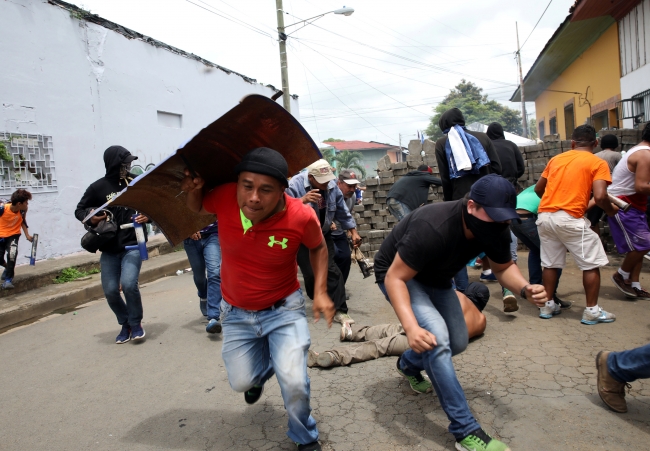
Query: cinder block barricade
x=374 y=222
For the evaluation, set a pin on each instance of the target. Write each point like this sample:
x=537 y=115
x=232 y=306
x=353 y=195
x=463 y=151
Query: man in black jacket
x=512 y=167
x=410 y=192
x=454 y=189
x=119 y=266
x=512 y=163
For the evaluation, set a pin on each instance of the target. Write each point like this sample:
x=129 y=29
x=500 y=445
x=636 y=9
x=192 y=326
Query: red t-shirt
x=258 y=265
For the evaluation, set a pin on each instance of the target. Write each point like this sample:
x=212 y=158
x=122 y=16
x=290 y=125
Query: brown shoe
x=641 y=293
x=623 y=285
x=327 y=359
x=610 y=390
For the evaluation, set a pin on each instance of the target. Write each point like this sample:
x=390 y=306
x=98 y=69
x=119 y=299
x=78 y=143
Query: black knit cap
x=609 y=142
x=265 y=161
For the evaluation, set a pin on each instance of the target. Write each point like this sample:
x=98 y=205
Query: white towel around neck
x=461 y=158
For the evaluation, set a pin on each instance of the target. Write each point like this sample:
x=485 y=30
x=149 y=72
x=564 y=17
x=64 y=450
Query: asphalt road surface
x=65 y=385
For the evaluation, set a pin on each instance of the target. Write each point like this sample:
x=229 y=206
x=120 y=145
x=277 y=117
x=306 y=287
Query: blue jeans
x=461 y=280
x=397 y=208
x=257 y=345
x=528 y=234
x=628 y=366
x=439 y=312
x=122 y=269
x=205 y=256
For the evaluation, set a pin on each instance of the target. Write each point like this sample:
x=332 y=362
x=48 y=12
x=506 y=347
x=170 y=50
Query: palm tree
x=328 y=155
x=350 y=160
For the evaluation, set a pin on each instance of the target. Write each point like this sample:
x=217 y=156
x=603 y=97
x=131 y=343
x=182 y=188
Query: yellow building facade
x=588 y=88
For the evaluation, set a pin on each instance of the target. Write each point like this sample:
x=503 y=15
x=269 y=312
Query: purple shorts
x=630 y=231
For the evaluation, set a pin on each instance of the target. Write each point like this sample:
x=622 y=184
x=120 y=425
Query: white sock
x=626 y=275
x=636 y=285
x=550 y=304
x=593 y=310
x=487 y=272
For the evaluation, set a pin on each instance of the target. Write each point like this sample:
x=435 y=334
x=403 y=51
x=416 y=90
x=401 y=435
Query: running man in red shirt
x=265 y=330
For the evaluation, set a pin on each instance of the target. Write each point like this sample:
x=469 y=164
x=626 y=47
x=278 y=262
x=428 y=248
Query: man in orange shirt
x=11 y=221
x=565 y=188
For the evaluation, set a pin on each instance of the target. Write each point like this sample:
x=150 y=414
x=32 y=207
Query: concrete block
x=381 y=194
x=385 y=175
x=382 y=225
x=372 y=181
x=368 y=201
x=358 y=208
x=399 y=165
x=368 y=214
x=384 y=164
x=375 y=207
x=363 y=226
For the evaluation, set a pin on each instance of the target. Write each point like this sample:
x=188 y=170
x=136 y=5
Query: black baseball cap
x=263 y=160
x=497 y=196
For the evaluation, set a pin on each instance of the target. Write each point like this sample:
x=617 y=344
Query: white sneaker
x=341 y=317
x=549 y=312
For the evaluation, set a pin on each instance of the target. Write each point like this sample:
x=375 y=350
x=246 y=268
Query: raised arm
x=193 y=186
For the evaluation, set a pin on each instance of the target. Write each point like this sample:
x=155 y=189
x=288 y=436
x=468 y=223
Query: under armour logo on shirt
x=282 y=243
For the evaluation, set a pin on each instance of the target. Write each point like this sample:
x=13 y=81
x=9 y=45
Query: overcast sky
x=371 y=76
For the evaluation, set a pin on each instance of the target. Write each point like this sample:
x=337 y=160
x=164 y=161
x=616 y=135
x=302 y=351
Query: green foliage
x=328 y=155
x=70 y=274
x=4 y=153
x=333 y=140
x=80 y=13
x=476 y=107
x=532 y=129
x=350 y=160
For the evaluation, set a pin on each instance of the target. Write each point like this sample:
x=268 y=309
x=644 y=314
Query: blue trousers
x=259 y=344
x=205 y=259
x=122 y=269
x=628 y=366
x=439 y=312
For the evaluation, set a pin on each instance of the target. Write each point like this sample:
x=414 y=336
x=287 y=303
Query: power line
x=339 y=99
x=231 y=18
x=540 y=18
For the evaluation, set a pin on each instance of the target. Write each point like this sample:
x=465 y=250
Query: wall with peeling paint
x=89 y=88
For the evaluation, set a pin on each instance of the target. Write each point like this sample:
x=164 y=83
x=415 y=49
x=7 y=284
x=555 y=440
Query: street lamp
x=346 y=11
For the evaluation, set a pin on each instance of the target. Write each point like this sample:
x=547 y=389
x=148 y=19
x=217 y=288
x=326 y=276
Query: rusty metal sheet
x=213 y=153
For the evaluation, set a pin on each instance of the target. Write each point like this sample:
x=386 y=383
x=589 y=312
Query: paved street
x=66 y=386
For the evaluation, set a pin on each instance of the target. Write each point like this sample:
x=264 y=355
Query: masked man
x=120 y=267
x=414 y=268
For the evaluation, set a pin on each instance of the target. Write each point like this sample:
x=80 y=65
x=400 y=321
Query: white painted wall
x=634 y=83
x=89 y=88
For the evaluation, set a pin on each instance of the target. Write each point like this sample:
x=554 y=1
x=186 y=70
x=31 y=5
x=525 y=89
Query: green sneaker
x=418 y=383
x=509 y=301
x=479 y=440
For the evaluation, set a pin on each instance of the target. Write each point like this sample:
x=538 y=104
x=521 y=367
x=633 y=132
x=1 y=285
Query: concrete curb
x=33 y=277
x=44 y=303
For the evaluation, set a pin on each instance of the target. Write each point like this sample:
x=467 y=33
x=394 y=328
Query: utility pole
x=524 y=117
x=282 y=37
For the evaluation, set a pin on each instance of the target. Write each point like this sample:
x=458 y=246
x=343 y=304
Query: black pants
x=335 y=282
x=9 y=246
x=343 y=255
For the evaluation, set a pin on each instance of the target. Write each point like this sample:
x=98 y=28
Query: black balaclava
x=450 y=118
x=495 y=131
x=485 y=232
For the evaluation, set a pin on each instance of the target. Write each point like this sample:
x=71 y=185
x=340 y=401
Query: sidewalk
x=36 y=295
